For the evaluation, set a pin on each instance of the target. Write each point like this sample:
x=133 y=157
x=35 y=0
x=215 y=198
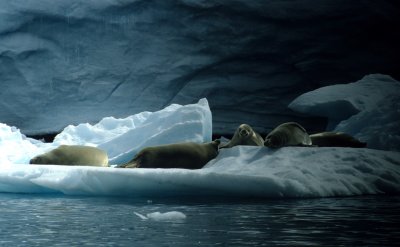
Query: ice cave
x=124 y=76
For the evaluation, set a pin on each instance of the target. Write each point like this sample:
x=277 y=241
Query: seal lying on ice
x=288 y=134
x=187 y=155
x=72 y=155
x=336 y=139
x=244 y=135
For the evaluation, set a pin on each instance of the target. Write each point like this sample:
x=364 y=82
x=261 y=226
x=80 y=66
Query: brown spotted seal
x=187 y=155
x=244 y=135
x=287 y=134
x=73 y=155
x=336 y=139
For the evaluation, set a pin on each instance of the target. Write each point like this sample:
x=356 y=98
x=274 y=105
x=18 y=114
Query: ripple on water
x=34 y=220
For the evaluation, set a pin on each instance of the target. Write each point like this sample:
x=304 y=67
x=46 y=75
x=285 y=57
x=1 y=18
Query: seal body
x=73 y=155
x=245 y=135
x=187 y=155
x=336 y=139
x=288 y=134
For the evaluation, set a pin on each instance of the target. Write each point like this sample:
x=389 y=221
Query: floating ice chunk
x=241 y=171
x=140 y=216
x=167 y=216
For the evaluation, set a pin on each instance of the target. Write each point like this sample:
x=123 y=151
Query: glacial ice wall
x=69 y=62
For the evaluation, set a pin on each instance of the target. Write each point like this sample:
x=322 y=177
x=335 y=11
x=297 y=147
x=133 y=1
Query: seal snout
x=35 y=160
x=216 y=143
x=272 y=142
x=243 y=132
x=268 y=143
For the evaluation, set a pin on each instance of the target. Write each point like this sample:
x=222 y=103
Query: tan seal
x=188 y=155
x=336 y=139
x=244 y=135
x=288 y=134
x=72 y=155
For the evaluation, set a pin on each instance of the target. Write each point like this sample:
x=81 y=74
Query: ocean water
x=57 y=220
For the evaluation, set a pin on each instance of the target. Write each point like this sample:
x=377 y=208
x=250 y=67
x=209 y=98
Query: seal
x=288 y=134
x=72 y=155
x=188 y=155
x=244 y=135
x=336 y=139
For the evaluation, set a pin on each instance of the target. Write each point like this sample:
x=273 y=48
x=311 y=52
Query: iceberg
x=368 y=109
x=241 y=171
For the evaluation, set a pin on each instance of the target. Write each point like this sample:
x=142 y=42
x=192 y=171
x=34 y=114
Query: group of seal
x=291 y=134
x=190 y=155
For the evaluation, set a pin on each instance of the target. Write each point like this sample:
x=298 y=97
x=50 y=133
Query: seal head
x=288 y=134
x=244 y=135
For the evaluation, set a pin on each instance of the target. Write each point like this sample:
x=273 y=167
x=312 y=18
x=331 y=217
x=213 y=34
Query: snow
x=368 y=109
x=241 y=171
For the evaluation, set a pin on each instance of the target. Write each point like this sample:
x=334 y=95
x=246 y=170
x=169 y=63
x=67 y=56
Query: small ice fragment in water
x=141 y=216
x=168 y=216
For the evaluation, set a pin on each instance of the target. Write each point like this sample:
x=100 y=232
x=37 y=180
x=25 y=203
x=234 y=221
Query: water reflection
x=68 y=221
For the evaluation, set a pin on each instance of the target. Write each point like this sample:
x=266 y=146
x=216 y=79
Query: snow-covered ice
x=240 y=171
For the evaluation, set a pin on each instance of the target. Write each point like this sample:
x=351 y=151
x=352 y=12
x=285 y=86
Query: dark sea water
x=56 y=220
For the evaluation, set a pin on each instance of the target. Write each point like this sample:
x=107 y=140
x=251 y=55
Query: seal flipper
x=128 y=165
x=121 y=166
x=336 y=139
x=132 y=165
x=225 y=145
x=306 y=145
